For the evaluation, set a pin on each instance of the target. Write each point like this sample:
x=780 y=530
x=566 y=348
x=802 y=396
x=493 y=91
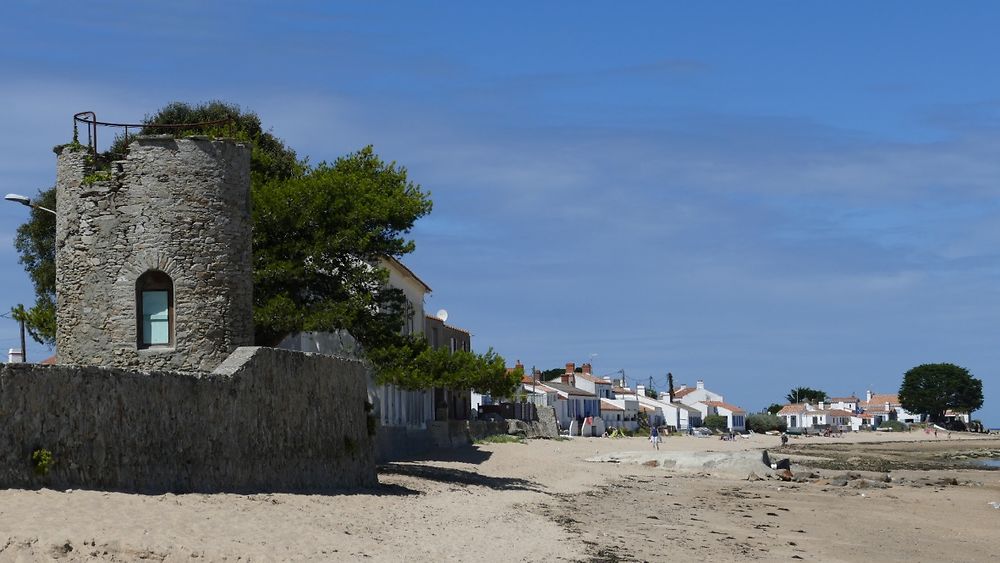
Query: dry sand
x=542 y=501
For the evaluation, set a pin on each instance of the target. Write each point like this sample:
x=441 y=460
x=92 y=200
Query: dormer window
x=154 y=296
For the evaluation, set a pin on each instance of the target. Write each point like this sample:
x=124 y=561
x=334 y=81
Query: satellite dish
x=443 y=315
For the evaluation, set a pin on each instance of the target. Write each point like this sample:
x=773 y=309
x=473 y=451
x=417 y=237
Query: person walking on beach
x=654 y=437
x=784 y=439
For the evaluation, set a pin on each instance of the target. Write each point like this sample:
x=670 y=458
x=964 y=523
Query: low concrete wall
x=264 y=420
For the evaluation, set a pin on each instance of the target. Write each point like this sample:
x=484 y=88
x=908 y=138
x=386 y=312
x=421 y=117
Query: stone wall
x=265 y=420
x=179 y=206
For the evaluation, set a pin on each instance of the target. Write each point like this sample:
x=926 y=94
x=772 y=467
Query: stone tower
x=153 y=261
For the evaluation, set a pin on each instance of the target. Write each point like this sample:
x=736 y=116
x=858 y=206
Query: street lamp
x=24 y=200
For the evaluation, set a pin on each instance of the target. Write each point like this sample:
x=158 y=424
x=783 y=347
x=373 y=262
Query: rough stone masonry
x=176 y=206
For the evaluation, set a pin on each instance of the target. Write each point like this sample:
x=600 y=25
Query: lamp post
x=24 y=200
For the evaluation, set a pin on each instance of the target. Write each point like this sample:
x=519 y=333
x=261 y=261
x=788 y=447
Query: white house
x=807 y=416
x=884 y=407
x=850 y=403
x=612 y=414
x=578 y=404
x=627 y=399
x=588 y=382
x=402 y=407
x=705 y=409
x=696 y=394
x=680 y=416
x=735 y=416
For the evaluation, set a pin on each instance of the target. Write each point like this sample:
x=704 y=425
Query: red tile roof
x=882 y=399
x=792 y=409
x=607 y=405
x=726 y=406
x=593 y=378
x=684 y=392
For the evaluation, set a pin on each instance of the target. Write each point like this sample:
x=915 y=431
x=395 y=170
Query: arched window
x=154 y=305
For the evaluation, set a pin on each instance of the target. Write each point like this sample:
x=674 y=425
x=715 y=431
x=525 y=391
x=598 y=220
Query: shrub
x=716 y=422
x=894 y=425
x=765 y=423
x=956 y=425
x=42 y=460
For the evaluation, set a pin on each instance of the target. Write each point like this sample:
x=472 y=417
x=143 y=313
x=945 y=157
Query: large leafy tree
x=317 y=237
x=933 y=389
x=805 y=395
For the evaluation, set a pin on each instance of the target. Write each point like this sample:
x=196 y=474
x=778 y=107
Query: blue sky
x=759 y=195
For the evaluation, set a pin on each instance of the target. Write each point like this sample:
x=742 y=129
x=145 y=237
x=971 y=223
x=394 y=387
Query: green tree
x=551 y=374
x=413 y=364
x=774 y=408
x=805 y=395
x=716 y=422
x=932 y=389
x=316 y=240
x=651 y=393
x=36 y=243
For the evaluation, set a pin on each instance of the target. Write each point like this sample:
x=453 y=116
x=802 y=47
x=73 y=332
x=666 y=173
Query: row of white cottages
x=579 y=396
x=852 y=413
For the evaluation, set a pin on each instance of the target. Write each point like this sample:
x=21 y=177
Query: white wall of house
x=704 y=410
x=629 y=415
x=669 y=412
x=699 y=394
x=734 y=420
x=413 y=288
x=613 y=415
x=573 y=406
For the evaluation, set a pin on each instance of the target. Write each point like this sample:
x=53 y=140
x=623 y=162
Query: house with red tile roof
x=590 y=382
x=806 y=416
x=677 y=414
x=735 y=416
x=886 y=406
x=692 y=395
x=612 y=414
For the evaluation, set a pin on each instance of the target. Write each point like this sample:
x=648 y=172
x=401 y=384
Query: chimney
x=519 y=365
x=15 y=356
x=586 y=368
x=640 y=390
x=570 y=367
x=868 y=395
x=821 y=404
x=700 y=384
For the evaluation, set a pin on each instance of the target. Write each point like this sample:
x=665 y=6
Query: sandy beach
x=543 y=501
